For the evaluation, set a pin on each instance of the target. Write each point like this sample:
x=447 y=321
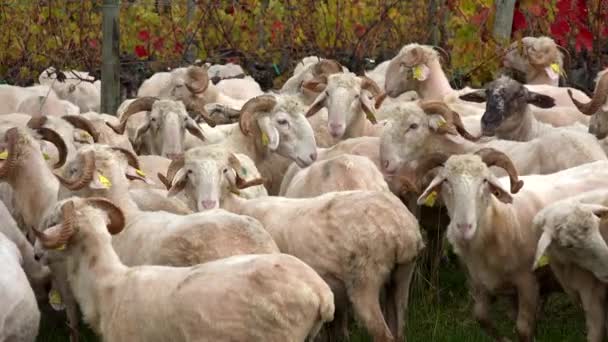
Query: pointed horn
x=55 y=138
x=492 y=157
x=198 y=80
x=82 y=123
x=88 y=171
x=262 y=103
x=444 y=53
x=56 y=237
x=241 y=183
x=142 y=104
x=198 y=108
x=371 y=86
x=380 y=99
x=131 y=157
x=427 y=163
x=12 y=139
x=115 y=215
x=597 y=101
x=452 y=118
x=173 y=168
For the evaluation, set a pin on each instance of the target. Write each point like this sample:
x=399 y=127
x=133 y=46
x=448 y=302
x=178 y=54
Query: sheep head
x=418 y=129
x=467 y=188
x=164 y=130
x=278 y=124
x=573 y=231
x=410 y=67
x=207 y=179
x=536 y=56
x=506 y=103
x=73 y=217
x=319 y=71
x=347 y=98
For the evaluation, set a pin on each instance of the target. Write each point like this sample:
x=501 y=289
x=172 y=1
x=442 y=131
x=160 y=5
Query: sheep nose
x=174 y=156
x=37 y=256
x=209 y=204
x=335 y=126
x=313 y=156
x=464 y=227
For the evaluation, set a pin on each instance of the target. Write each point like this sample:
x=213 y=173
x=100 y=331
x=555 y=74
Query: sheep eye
x=326 y=93
x=225 y=170
x=282 y=122
x=357 y=96
x=189 y=172
x=153 y=119
x=414 y=126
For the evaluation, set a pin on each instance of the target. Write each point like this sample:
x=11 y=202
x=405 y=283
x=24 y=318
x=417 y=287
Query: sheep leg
x=527 y=297
x=366 y=306
x=481 y=312
x=593 y=299
x=398 y=299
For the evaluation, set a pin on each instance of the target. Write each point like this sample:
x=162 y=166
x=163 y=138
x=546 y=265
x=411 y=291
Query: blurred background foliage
x=268 y=37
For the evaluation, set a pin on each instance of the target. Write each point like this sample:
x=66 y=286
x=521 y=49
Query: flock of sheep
x=211 y=211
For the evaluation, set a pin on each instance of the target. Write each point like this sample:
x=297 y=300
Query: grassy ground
x=441 y=314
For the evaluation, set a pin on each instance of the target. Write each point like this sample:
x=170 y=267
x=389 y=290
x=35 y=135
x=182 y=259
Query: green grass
x=441 y=313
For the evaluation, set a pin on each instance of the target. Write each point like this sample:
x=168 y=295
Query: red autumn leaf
x=229 y=10
x=519 y=21
x=564 y=6
x=277 y=25
x=560 y=29
x=93 y=43
x=584 y=39
x=140 y=51
x=605 y=32
x=178 y=48
x=158 y=44
x=233 y=60
x=143 y=35
x=536 y=9
x=359 y=30
x=480 y=17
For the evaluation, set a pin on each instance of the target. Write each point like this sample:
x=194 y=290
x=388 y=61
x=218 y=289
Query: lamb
x=20 y=317
x=574 y=239
x=539 y=59
x=341 y=173
x=433 y=127
x=350 y=103
x=273 y=132
x=382 y=225
x=508 y=113
x=491 y=230
x=279 y=298
x=78 y=88
x=597 y=107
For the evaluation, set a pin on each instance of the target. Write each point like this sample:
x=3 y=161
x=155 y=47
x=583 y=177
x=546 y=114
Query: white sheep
x=597 y=107
x=78 y=88
x=491 y=230
x=270 y=297
x=539 y=59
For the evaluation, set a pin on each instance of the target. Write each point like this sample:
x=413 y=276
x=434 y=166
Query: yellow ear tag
x=543 y=261
x=3 y=155
x=417 y=72
x=555 y=67
x=45 y=156
x=140 y=172
x=60 y=248
x=104 y=181
x=55 y=297
x=429 y=201
x=265 y=140
x=84 y=135
x=442 y=122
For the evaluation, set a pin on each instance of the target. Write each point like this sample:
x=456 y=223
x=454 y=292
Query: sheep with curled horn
x=310 y=79
x=427 y=128
x=273 y=132
x=539 y=58
x=481 y=209
x=597 y=107
x=300 y=301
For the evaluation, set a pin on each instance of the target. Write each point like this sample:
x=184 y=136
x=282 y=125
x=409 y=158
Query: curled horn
x=115 y=215
x=326 y=67
x=54 y=137
x=443 y=53
x=379 y=99
x=262 y=103
x=371 y=86
x=82 y=123
x=142 y=104
x=451 y=117
x=88 y=170
x=240 y=182
x=198 y=108
x=172 y=170
x=131 y=157
x=198 y=80
x=52 y=238
x=12 y=139
x=492 y=157
x=599 y=97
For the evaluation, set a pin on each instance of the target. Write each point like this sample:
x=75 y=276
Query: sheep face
x=506 y=103
x=165 y=129
x=405 y=137
x=408 y=68
x=466 y=187
x=538 y=54
x=572 y=231
x=203 y=183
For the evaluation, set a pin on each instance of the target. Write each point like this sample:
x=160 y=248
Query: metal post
x=504 y=19
x=189 y=14
x=110 y=58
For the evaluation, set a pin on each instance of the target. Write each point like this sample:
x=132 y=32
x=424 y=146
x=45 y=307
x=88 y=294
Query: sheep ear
x=429 y=195
x=498 y=191
x=540 y=100
x=195 y=129
x=179 y=183
x=315 y=85
x=367 y=104
x=478 y=96
x=597 y=210
x=541 y=248
x=270 y=135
